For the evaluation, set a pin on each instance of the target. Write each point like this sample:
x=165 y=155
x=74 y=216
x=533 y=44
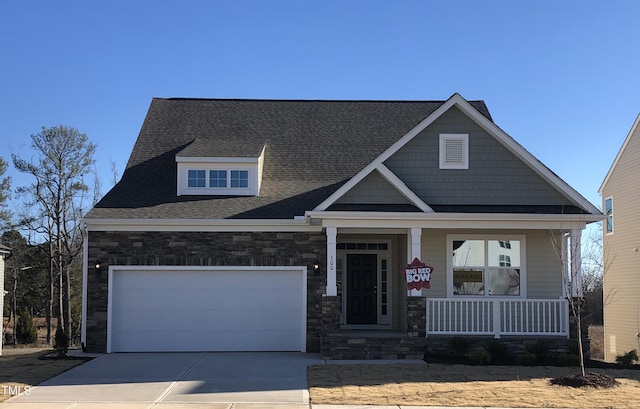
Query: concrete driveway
x=175 y=380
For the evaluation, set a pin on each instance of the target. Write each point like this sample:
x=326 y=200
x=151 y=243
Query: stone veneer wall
x=202 y=249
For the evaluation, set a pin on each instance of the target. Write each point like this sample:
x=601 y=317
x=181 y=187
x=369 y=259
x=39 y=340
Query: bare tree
x=114 y=172
x=5 y=192
x=56 y=199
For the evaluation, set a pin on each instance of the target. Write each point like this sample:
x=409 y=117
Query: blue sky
x=561 y=77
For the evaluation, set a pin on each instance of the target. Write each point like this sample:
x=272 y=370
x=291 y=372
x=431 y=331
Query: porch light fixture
x=98 y=266
x=316 y=265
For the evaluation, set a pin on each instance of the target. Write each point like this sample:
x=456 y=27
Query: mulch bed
x=591 y=379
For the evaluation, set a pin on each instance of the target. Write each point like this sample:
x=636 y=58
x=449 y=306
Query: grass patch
x=31 y=366
x=465 y=385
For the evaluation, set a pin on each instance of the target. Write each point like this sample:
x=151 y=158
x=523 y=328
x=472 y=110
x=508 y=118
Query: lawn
x=465 y=385
x=28 y=367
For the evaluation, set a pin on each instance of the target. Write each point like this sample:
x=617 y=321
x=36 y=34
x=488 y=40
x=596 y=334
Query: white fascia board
x=216 y=159
x=407 y=220
x=403 y=188
x=634 y=127
x=260 y=167
x=389 y=177
x=200 y=225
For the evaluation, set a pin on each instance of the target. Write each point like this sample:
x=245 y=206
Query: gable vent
x=454 y=152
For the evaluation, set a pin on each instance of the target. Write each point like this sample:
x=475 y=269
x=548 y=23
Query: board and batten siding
x=495 y=175
x=621 y=284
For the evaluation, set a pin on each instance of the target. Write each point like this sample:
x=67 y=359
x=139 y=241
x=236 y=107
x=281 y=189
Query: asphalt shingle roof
x=311 y=149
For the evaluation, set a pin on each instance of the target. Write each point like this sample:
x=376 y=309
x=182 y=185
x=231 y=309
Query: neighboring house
x=620 y=193
x=5 y=252
x=266 y=225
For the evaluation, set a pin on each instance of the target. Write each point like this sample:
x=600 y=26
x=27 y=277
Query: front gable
x=494 y=175
x=491 y=173
x=380 y=190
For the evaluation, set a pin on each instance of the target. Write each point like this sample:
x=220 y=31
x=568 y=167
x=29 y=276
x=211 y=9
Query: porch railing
x=497 y=317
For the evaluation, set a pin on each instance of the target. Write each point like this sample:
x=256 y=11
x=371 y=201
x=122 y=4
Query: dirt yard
x=24 y=367
x=461 y=385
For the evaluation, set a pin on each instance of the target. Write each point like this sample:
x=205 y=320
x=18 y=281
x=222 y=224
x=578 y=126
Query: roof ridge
x=418 y=101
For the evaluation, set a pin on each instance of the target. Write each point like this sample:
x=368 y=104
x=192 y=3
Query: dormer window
x=217 y=179
x=196 y=178
x=219 y=176
x=239 y=178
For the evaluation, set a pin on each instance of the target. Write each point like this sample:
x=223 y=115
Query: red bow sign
x=418 y=275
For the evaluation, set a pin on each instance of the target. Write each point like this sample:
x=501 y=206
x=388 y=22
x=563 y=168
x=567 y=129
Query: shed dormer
x=218 y=175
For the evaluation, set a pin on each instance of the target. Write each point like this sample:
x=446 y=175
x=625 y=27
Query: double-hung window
x=486 y=267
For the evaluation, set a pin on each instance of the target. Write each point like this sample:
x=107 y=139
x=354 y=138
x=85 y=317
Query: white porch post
x=576 y=262
x=414 y=250
x=566 y=268
x=332 y=288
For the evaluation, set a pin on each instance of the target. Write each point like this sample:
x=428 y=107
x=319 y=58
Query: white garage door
x=212 y=309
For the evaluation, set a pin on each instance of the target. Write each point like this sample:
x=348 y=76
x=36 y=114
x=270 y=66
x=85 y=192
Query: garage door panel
x=228 y=319
x=225 y=280
x=213 y=310
x=164 y=341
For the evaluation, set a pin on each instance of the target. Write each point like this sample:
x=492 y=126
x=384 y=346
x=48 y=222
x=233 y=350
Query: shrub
x=61 y=345
x=526 y=359
x=459 y=345
x=540 y=351
x=499 y=352
x=480 y=357
x=25 y=329
x=569 y=359
x=627 y=359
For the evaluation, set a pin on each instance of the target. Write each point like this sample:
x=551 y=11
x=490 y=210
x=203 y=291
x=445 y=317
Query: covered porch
x=535 y=311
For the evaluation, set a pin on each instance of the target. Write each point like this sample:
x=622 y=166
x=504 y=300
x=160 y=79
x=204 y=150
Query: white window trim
x=464 y=138
x=606 y=220
x=183 y=179
x=523 y=263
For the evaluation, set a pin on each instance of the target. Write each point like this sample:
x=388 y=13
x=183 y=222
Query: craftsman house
x=620 y=193
x=280 y=225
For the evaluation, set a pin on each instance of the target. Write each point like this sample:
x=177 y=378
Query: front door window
x=362 y=278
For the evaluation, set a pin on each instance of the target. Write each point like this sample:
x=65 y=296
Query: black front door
x=362 y=277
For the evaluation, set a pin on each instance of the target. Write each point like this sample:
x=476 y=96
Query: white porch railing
x=497 y=317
